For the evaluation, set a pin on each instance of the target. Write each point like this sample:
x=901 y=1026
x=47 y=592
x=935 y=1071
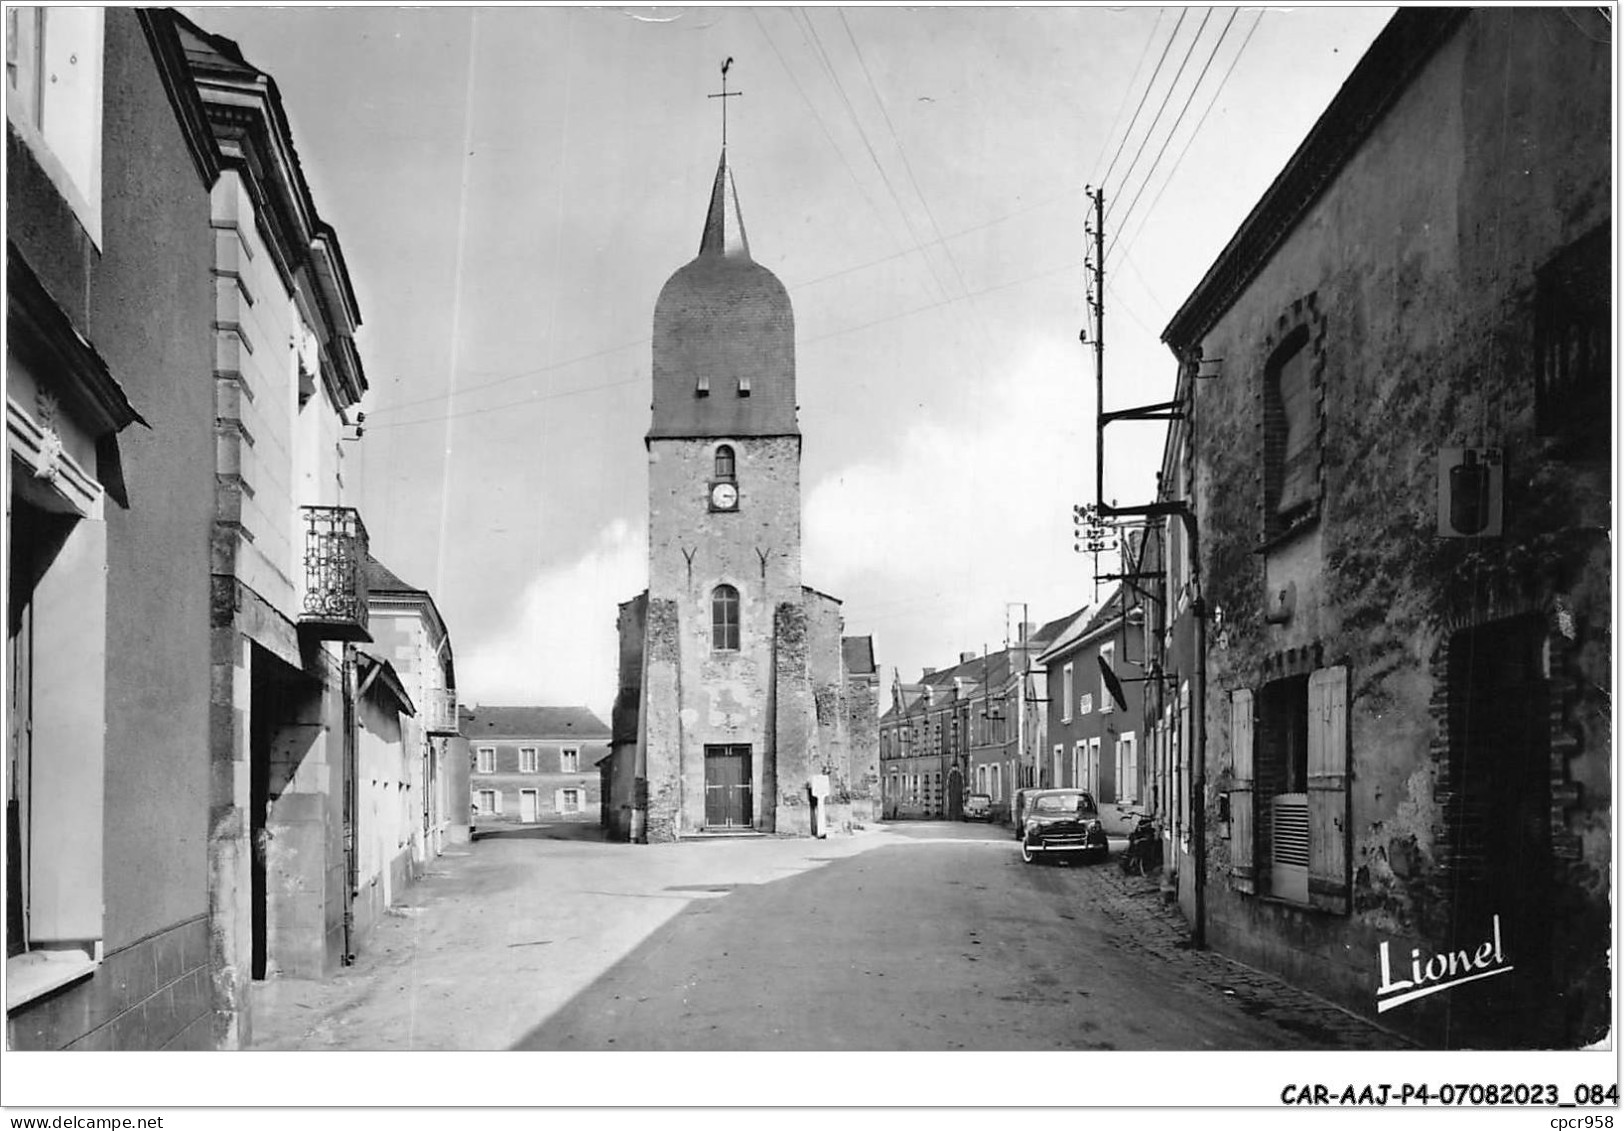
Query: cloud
x=967 y=511
x=973 y=497
x=560 y=647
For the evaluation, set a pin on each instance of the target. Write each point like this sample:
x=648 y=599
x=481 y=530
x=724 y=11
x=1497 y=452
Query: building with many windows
x=1093 y=740
x=533 y=764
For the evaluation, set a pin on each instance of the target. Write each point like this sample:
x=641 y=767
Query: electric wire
x=816 y=41
x=818 y=117
x=1069 y=266
x=1127 y=91
x=1160 y=153
x=1148 y=87
x=1166 y=98
x=1196 y=132
x=913 y=180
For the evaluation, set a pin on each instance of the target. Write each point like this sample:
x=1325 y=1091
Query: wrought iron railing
x=440 y=713
x=333 y=605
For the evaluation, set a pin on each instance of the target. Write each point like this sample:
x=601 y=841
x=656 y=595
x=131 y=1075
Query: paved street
x=919 y=936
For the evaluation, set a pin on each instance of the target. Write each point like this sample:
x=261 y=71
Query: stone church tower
x=739 y=700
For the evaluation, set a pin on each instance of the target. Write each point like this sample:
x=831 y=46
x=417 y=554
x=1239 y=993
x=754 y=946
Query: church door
x=727 y=786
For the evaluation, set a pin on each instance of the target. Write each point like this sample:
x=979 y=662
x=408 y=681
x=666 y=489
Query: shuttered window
x=1242 y=834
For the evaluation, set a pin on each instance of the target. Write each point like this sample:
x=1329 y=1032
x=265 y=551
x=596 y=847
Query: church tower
x=724 y=453
x=742 y=709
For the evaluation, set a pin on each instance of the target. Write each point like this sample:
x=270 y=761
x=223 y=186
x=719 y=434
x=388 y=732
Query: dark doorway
x=1498 y=822
x=955 y=795
x=727 y=786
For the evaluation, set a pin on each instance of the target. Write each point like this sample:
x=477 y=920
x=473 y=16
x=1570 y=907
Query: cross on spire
x=724 y=96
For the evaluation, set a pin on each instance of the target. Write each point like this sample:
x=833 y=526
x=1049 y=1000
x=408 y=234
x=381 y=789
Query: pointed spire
x=724 y=224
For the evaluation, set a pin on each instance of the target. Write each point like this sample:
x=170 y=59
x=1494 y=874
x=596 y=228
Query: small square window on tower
x=702 y=387
x=744 y=386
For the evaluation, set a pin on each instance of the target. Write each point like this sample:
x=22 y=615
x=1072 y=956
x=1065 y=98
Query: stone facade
x=735 y=696
x=1405 y=262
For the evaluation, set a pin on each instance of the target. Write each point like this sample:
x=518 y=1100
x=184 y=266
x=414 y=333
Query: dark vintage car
x=978 y=807
x=1064 y=823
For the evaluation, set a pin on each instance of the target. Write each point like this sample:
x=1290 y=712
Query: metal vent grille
x=1290 y=838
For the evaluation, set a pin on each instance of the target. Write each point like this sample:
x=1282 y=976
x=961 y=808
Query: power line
x=851 y=111
x=576 y=360
x=1166 y=98
x=1185 y=109
x=817 y=117
x=1148 y=87
x=908 y=168
x=1144 y=52
x=1070 y=266
x=1216 y=94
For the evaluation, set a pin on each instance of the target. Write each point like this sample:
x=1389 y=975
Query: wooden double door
x=727 y=786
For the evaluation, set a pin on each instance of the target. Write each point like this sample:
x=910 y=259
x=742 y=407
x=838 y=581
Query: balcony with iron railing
x=440 y=713
x=333 y=599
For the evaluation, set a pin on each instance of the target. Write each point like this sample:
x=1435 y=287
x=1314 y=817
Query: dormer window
x=744 y=386
x=724 y=462
x=702 y=387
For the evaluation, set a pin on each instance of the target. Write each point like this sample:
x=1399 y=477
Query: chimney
x=1027 y=630
x=966 y=657
x=928 y=673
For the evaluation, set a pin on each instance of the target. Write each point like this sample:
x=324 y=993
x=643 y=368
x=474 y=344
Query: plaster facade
x=108 y=631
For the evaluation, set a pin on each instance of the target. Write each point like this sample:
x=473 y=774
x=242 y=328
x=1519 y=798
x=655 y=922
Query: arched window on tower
x=725 y=618
x=724 y=462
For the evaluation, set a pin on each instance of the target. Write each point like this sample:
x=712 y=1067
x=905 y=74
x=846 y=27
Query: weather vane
x=724 y=96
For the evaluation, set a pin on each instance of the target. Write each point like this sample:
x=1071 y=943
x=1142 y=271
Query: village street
x=919 y=936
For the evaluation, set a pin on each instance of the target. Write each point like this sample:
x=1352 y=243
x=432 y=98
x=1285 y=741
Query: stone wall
x=718 y=696
x=1415 y=274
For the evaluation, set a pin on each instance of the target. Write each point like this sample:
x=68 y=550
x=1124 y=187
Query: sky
x=513 y=185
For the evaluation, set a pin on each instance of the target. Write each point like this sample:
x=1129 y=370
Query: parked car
x=1065 y=823
x=978 y=807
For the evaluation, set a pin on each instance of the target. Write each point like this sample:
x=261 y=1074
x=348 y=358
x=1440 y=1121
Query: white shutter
x=558 y=801
x=1243 y=824
x=498 y=808
x=1328 y=883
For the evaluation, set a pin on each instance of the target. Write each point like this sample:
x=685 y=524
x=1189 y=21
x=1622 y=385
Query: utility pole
x=1179 y=408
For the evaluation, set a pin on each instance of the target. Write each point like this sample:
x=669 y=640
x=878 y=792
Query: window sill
x=38 y=972
x=1303 y=523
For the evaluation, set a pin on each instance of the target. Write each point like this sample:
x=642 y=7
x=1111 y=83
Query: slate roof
x=380 y=579
x=1083 y=624
x=858 y=652
x=532 y=722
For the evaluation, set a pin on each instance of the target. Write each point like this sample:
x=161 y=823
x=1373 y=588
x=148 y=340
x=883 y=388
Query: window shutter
x=1328 y=821
x=498 y=808
x=558 y=801
x=1242 y=798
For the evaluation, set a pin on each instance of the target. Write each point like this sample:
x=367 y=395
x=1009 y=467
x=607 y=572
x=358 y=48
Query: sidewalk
x=1153 y=925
